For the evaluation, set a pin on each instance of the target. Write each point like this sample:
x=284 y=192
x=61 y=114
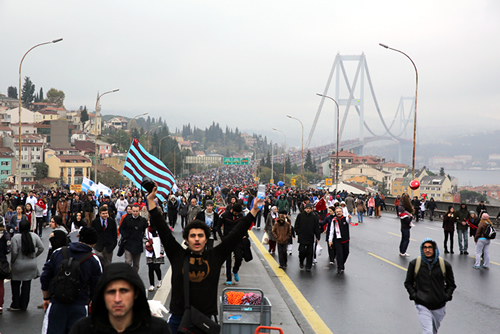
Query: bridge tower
x=355 y=100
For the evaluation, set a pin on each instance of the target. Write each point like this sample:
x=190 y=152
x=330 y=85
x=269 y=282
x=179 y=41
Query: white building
x=27 y=116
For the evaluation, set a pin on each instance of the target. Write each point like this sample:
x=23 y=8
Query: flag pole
x=121 y=177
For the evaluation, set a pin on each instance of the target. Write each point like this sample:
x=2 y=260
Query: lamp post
x=130 y=124
x=159 y=147
x=284 y=163
x=302 y=154
x=97 y=111
x=338 y=139
x=415 y=115
x=19 y=95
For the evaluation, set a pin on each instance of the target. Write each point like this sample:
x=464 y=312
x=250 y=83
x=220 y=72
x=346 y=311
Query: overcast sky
x=249 y=63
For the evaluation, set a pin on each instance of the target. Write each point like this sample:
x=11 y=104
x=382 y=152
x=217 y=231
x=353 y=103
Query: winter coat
x=282 y=231
x=98 y=321
x=183 y=209
x=449 y=222
x=25 y=268
x=270 y=221
x=462 y=215
x=307 y=227
x=132 y=230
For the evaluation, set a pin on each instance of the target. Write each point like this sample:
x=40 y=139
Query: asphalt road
x=370 y=297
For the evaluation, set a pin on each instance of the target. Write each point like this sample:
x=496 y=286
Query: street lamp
x=415 y=115
x=338 y=139
x=19 y=94
x=302 y=155
x=284 y=163
x=159 y=147
x=97 y=111
x=130 y=124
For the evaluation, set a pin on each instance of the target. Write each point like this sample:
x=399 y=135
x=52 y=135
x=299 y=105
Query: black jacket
x=106 y=237
x=204 y=269
x=90 y=271
x=215 y=228
x=132 y=230
x=344 y=230
x=307 y=227
x=142 y=323
x=88 y=206
x=430 y=288
x=76 y=206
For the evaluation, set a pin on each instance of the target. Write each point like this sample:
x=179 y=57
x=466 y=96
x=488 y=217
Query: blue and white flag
x=139 y=164
x=87 y=184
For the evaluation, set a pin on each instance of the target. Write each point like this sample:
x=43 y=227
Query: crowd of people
x=216 y=209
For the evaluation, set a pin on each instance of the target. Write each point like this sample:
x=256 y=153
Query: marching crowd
x=216 y=209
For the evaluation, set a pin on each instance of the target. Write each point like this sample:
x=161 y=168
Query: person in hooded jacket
x=59 y=316
x=430 y=286
x=281 y=232
x=59 y=236
x=473 y=223
x=282 y=203
x=463 y=217
x=5 y=247
x=120 y=305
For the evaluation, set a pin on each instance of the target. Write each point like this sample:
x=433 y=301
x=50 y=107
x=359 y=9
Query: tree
x=12 y=92
x=56 y=96
x=40 y=95
x=84 y=116
x=468 y=196
x=41 y=170
x=28 y=92
x=309 y=164
x=268 y=159
x=110 y=178
x=288 y=164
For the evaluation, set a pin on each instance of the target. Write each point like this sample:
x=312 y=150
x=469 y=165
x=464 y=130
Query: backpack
x=66 y=284
x=419 y=263
x=489 y=232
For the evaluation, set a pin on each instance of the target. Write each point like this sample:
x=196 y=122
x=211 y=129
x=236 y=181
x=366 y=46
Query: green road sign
x=244 y=161
x=228 y=161
x=236 y=161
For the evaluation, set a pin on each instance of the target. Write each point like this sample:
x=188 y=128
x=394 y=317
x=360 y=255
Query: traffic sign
x=244 y=161
x=271 y=181
x=328 y=182
x=292 y=182
x=256 y=179
x=236 y=161
x=228 y=161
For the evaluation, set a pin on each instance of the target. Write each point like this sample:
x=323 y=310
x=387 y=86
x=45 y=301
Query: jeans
x=119 y=216
x=405 y=240
x=360 y=216
x=431 y=215
x=483 y=247
x=370 y=211
x=154 y=268
x=448 y=234
x=430 y=320
x=463 y=240
x=258 y=218
x=342 y=250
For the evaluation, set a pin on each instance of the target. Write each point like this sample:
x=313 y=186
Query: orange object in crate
x=267 y=327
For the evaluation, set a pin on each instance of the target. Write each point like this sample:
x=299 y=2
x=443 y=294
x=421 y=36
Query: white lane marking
x=496 y=243
x=162 y=293
x=432 y=228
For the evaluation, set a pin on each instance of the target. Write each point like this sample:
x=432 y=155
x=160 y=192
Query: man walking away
x=430 y=284
x=431 y=206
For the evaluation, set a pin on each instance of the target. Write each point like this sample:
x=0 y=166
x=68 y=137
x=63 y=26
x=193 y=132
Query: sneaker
x=172 y=229
x=315 y=261
x=159 y=284
x=290 y=253
x=151 y=288
x=485 y=267
x=258 y=228
x=461 y=253
x=40 y=306
x=301 y=266
x=308 y=270
x=466 y=253
x=13 y=309
x=475 y=267
x=340 y=271
x=236 y=277
x=229 y=283
x=1 y=310
x=331 y=262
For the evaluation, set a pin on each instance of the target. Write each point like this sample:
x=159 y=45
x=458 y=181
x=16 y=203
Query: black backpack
x=66 y=286
x=489 y=232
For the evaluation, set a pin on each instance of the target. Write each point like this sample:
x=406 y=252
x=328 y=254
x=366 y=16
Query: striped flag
x=139 y=163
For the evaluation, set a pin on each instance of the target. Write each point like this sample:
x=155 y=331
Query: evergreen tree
x=12 y=92
x=288 y=164
x=309 y=164
x=28 y=92
x=40 y=95
x=268 y=159
x=441 y=172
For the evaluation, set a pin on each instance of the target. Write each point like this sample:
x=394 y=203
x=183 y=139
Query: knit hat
x=88 y=235
x=309 y=205
x=210 y=202
x=472 y=212
x=485 y=216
